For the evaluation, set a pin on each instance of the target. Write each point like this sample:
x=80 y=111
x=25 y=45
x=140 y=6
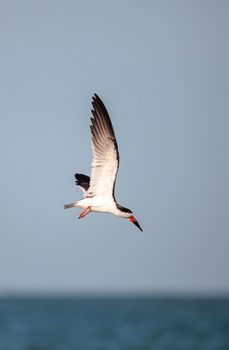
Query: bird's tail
x=71 y=205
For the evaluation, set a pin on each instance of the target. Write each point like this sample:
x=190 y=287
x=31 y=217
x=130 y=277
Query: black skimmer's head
x=127 y=213
x=134 y=221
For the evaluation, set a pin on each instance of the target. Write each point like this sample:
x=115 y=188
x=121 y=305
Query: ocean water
x=114 y=323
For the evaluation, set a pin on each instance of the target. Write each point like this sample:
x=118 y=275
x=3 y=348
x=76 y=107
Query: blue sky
x=161 y=68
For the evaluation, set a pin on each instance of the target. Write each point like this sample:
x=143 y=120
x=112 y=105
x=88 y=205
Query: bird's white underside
x=103 y=204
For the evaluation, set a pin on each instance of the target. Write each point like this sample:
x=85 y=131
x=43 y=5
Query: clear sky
x=161 y=68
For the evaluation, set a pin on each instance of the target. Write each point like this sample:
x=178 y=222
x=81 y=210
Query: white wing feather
x=105 y=161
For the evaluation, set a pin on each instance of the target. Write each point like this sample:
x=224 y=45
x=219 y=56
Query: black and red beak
x=132 y=219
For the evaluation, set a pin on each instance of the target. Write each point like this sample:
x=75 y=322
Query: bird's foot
x=85 y=212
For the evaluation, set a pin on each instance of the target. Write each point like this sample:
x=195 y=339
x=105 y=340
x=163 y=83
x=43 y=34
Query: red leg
x=85 y=212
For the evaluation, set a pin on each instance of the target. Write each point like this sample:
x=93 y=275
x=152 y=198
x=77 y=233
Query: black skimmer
x=100 y=187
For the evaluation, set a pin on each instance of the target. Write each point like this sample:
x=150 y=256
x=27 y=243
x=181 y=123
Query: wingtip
x=96 y=97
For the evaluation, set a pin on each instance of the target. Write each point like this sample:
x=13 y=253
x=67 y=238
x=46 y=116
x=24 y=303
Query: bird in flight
x=99 y=189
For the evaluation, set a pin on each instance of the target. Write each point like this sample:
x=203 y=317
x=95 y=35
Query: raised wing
x=105 y=161
x=83 y=181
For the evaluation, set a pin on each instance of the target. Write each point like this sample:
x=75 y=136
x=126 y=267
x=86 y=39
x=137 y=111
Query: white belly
x=98 y=203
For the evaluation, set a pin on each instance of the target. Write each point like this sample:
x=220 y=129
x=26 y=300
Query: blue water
x=114 y=323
